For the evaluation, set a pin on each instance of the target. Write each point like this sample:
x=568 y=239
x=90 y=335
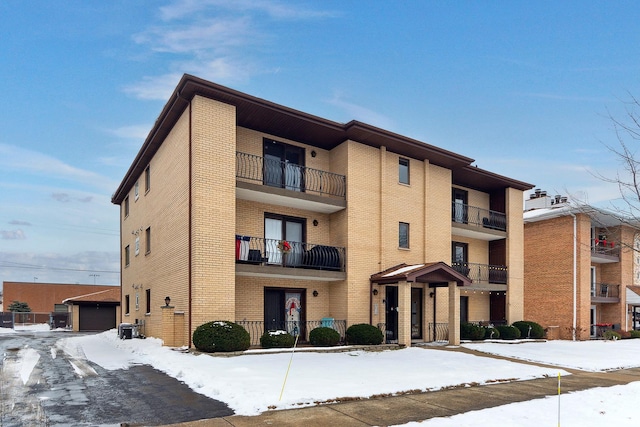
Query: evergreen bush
x=634 y=334
x=364 y=334
x=471 y=331
x=508 y=332
x=491 y=333
x=611 y=335
x=324 y=337
x=537 y=331
x=221 y=336
x=277 y=339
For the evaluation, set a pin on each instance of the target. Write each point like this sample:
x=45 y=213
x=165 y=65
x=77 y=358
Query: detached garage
x=97 y=311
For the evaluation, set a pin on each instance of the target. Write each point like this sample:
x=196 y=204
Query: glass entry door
x=278 y=230
x=283 y=165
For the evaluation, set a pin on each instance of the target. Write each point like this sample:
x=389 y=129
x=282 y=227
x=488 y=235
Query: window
x=126 y=206
x=137 y=301
x=148 y=297
x=147 y=240
x=136 y=190
x=137 y=245
x=403 y=171
x=403 y=235
x=126 y=256
x=126 y=304
x=289 y=229
x=147 y=179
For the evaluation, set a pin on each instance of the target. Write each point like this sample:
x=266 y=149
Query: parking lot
x=42 y=385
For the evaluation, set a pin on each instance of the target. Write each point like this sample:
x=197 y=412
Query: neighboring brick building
x=578 y=264
x=240 y=209
x=92 y=307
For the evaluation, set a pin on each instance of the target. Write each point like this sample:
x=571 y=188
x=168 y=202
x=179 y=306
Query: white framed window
x=137 y=248
x=137 y=301
x=136 y=190
x=147 y=179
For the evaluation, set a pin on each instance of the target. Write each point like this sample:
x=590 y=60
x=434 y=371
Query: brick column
x=454 y=314
x=404 y=313
x=168 y=327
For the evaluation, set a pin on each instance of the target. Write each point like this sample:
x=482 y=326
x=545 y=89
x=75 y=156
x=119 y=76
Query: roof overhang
x=265 y=116
x=433 y=273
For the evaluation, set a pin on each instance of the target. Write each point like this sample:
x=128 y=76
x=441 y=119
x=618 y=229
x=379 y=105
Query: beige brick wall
x=164 y=270
x=515 y=255
x=213 y=211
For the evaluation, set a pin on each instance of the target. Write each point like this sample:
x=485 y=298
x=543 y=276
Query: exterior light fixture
x=375 y=292
x=315 y=293
x=167 y=301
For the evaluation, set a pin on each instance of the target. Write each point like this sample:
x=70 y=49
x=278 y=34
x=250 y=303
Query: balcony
x=483 y=276
x=604 y=251
x=477 y=223
x=286 y=184
x=256 y=256
x=605 y=293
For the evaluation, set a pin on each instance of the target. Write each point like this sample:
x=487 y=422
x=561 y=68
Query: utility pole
x=94 y=277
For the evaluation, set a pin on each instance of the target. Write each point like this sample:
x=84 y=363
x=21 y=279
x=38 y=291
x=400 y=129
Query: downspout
x=189 y=262
x=575 y=282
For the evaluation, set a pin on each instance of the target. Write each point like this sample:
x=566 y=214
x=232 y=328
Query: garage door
x=97 y=317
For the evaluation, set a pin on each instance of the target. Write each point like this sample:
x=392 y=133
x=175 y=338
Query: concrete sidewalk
x=421 y=406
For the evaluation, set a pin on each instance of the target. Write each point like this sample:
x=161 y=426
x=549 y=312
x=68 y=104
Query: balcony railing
x=482 y=273
x=605 y=247
x=290 y=176
x=605 y=290
x=259 y=251
x=465 y=214
x=295 y=328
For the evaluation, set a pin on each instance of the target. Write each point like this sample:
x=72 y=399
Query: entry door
x=391 y=309
x=283 y=310
x=498 y=308
x=416 y=313
x=593 y=322
x=283 y=165
x=464 y=309
x=459 y=206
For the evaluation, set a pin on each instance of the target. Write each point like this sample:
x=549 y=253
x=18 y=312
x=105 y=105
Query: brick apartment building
x=240 y=209
x=579 y=263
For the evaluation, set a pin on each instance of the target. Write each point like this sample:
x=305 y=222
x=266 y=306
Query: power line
x=40 y=267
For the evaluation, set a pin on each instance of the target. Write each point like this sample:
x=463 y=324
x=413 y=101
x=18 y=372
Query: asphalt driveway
x=61 y=390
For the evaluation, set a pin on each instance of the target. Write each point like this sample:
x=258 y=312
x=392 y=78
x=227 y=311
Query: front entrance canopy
x=437 y=274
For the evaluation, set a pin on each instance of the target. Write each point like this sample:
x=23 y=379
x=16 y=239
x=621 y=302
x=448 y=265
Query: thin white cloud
x=12 y=235
x=213 y=39
x=32 y=162
x=154 y=87
x=139 y=132
x=19 y=222
x=360 y=113
x=275 y=9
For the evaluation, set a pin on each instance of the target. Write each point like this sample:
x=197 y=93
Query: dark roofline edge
x=190 y=86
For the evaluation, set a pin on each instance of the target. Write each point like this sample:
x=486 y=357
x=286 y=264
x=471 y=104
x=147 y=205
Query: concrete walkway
x=421 y=406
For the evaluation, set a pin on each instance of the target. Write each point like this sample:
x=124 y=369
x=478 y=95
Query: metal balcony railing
x=465 y=214
x=482 y=273
x=296 y=328
x=605 y=247
x=605 y=290
x=290 y=176
x=259 y=251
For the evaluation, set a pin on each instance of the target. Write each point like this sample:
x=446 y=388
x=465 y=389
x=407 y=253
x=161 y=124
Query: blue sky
x=524 y=88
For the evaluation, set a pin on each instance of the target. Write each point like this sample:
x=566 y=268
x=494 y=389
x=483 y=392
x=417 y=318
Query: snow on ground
x=596 y=407
x=253 y=382
x=601 y=355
